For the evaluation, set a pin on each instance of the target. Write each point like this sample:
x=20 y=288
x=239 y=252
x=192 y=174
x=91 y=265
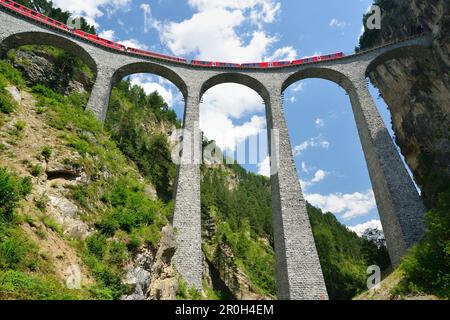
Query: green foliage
x=12 y=189
x=6 y=104
x=16 y=285
x=46 y=152
x=427 y=267
x=8 y=75
x=129 y=109
x=46 y=7
x=186 y=293
x=117 y=201
x=12 y=75
x=372 y=38
x=20 y=125
x=41 y=202
x=242 y=217
x=36 y=170
x=243 y=224
x=344 y=256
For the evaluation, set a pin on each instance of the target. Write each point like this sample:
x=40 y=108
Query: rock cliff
x=417 y=90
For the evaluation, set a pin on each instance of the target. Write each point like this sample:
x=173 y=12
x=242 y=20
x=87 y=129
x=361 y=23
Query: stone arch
x=152 y=68
x=415 y=50
x=51 y=39
x=320 y=73
x=237 y=78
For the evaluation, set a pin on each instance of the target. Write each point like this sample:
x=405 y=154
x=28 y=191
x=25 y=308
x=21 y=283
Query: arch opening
x=236 y=78
x=322 y=140
x=234 y=196
x=151 y=68
x=417 y=51
x=144 y=111
x=43 y=38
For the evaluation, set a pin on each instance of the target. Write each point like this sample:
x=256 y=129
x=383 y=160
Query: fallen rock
x=15 y=93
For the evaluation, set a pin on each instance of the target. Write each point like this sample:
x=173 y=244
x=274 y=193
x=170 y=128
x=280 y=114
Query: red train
x=17 y=8
x=215 y=64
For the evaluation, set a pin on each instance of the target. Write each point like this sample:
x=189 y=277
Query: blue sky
x=327 y=150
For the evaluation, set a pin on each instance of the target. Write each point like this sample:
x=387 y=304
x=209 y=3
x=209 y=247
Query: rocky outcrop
x=60 y=74
x=417 y=90
x=164 y=281
x=152 y=276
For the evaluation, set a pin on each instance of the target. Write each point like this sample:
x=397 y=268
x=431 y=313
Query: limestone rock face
x=150 y=275
x=138 y=275
x=42 y=68
x=417 y=90
x=15 y=93
x=164 y=282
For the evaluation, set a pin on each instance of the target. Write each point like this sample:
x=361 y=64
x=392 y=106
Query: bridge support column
x=298 y=271
x=101 y=92
x=399 y=204
x=187 y=214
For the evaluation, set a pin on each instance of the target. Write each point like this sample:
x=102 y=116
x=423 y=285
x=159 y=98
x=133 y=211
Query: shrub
x=13 y=75
x=427 y=267
x=41 y=202
x=36 y=170
x=46 y=152
x=96 y=245
x=6 y=104
x=52 y=224
x=20 y=125
x=12 y=189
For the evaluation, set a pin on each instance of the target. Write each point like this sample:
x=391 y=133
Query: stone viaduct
x=298 y=270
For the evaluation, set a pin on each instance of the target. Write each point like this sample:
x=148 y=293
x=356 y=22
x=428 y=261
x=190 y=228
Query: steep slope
x=89 y=213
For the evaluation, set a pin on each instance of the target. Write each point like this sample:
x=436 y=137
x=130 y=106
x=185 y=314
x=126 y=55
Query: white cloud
x=360 y=228
x=283 y=54
x=305 y=168
x=211 y=33
x=335 y=23
x=91 y=9
x=107 y=34
x=227 y=102
x=149 y=21
x=319 y=176
x=349 y=206
x=264 y=167
x=261 y=11
x=299 y=86
x=292 y=99
x=320 y=123
x=317 y=142
x=150 y=85
x=214 y=33
x=133 y=43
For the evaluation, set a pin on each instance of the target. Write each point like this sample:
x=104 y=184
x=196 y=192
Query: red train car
x=332 y=56
x=11 y=5
x=154 y=55
x=266 y=65
x=215 y=64
x=100 y=41
x=18 y=8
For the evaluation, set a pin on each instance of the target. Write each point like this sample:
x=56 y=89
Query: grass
x=17 y=285
x=46 y=153
x=36 y=170
x=50 y=223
